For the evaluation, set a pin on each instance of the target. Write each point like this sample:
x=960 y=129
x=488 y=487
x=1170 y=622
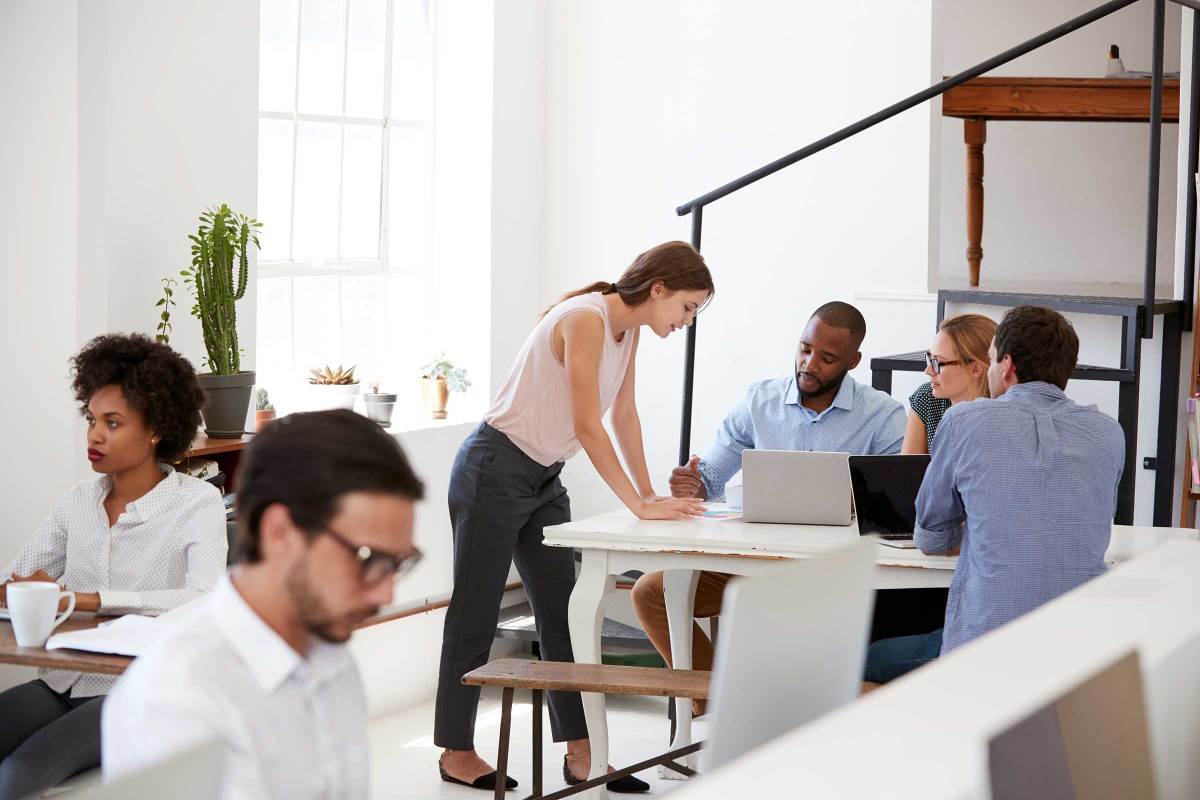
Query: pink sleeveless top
x=533 y=406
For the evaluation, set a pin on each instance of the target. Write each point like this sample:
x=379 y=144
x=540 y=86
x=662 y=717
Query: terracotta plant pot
x=436 y=395
x=262 y=419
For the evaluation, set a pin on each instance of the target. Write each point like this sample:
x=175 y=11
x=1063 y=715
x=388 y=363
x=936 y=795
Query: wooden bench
x=557 y=676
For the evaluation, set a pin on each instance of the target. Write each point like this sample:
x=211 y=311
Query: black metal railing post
x=1189 y=237
x=1156 y=91
x=689 y=361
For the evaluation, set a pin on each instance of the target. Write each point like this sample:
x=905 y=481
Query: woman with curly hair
x=138 y=538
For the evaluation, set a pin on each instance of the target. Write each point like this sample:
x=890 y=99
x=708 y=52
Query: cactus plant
x=262 y=402
x=333 y=377
x=219 y=248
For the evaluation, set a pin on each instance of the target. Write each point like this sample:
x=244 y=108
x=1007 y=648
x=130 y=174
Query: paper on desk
x=719 y=512
x=130 y=635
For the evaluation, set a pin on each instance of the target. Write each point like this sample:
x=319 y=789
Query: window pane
x=318 y=329
x=273 y=342
x=412 y=61
x=365 y=330
x=318 y=148
x=321 y=50
x=364 y=58
x=275 y=188
x=362 y=170
x=277 y=55
x=410 y=196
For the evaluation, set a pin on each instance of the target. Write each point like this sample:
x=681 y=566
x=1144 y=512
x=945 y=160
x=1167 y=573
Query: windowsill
x=413 y=422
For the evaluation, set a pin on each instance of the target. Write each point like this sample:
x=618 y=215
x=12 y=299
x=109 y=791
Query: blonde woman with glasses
x=957 y=366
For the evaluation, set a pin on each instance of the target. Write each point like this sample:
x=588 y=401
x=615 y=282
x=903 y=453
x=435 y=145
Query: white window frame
x=293 y=268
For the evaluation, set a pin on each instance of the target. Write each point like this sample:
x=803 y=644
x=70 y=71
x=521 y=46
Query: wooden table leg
x=505 y=731
x=537 y=743
x=975 y=135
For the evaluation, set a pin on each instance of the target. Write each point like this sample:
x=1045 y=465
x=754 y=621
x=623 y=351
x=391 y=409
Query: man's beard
x=823 y=388
x=312 y=611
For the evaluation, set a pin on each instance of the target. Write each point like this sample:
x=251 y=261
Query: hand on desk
x=84 y=601
x=686 y=481
x=669 y=508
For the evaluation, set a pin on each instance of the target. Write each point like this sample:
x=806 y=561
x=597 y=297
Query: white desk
x=616 y=542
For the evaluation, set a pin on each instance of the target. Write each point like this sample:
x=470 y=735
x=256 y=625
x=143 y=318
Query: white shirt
x=294 y=727
x=167 y=547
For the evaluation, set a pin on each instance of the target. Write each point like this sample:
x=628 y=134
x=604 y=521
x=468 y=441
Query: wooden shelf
x=204 y=446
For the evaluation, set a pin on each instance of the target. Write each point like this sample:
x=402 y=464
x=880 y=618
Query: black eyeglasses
x=936 y=363
x=376 y=566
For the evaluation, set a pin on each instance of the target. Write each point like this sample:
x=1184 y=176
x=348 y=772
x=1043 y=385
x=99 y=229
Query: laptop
x=885 y=496
x=795 y=488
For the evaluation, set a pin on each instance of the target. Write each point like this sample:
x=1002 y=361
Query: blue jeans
x=888 y=659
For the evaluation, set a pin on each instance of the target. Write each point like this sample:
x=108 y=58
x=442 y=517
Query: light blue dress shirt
x=1034 y=476
x=861 y=421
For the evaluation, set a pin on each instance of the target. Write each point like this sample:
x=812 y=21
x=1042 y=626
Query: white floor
x=404 y=759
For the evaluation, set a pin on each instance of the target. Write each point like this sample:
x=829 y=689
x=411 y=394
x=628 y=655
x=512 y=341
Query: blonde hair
x=971 y=335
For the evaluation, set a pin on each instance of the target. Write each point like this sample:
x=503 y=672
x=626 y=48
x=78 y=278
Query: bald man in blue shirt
x=818 y=408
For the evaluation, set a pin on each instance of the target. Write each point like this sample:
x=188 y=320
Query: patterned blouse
x=929 y=410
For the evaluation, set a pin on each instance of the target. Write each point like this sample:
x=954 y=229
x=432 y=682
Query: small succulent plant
x=261 y=401
x=455 y=377
x=333 y=377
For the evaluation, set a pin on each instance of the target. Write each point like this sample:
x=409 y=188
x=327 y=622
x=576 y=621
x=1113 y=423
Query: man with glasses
x=325 y=516
x=817 y=407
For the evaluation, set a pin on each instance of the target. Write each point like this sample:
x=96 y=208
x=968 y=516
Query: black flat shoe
x=626 y=785
x=486 y=782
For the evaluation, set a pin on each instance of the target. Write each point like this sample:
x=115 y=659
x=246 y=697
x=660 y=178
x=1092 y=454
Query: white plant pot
x=324 y=398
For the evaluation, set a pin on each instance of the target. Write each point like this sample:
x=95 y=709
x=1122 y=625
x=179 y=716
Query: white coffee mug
x=33 y=606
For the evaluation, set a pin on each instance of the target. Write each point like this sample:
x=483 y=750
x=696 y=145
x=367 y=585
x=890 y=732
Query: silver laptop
x=797 y=488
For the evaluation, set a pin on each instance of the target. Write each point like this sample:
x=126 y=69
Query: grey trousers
x=500 y=500
x=45 y=738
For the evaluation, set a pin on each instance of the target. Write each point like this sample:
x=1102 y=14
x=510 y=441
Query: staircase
x=1132 y=312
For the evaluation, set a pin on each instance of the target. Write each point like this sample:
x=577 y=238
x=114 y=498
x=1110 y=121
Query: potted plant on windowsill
x=440 y=377
x=218 y=279
x=380 y=405
x=264 y=411
x=333 y=388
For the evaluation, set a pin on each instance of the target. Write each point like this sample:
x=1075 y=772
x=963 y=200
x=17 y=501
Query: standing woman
x=957 y=365
x=138 y=538
x=504 y=487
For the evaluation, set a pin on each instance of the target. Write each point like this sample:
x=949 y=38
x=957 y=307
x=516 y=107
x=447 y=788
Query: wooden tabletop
x=1059 y=99
x=71 y=660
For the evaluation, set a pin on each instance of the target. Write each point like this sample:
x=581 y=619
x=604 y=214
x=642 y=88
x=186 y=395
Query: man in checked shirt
x=1025 y=483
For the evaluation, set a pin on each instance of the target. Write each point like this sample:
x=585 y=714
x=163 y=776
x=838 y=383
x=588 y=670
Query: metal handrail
x=696 y=206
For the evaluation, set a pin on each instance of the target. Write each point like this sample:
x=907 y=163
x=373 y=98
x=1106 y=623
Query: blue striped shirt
x=861 y=421
x=1034 y=477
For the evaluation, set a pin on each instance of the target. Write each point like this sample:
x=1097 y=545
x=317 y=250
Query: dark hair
x=157 y=382
x=845 y=316
x=677 y=264
x=1042 y=343
x=307 y=462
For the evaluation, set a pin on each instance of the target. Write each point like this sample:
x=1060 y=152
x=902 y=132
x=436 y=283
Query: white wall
x=651 y=104
x=1064 y=201
x=122 y=120
x=168 y=127
x=38 y=202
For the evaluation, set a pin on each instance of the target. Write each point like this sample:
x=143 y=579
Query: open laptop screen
x=885 y=492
